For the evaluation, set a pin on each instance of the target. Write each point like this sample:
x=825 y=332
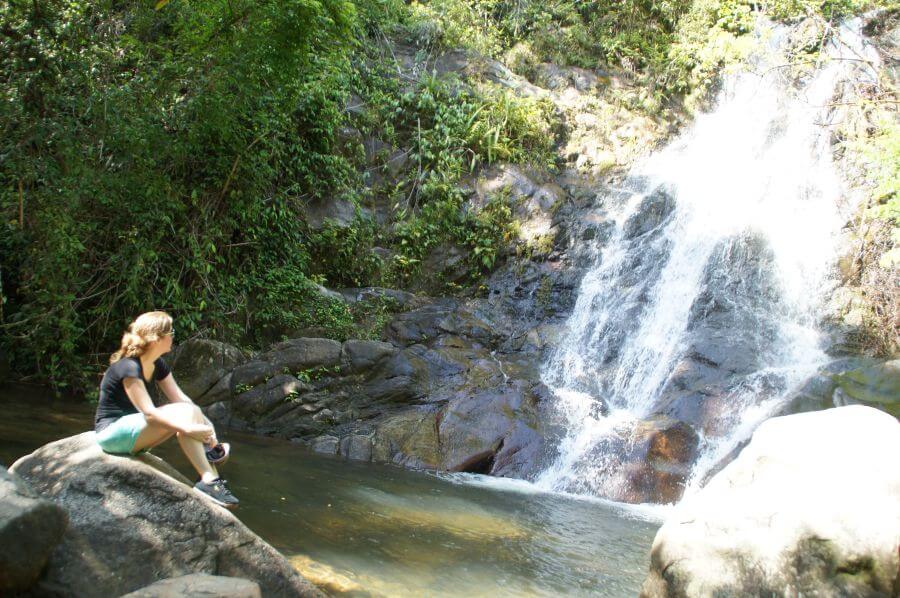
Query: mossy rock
x=877 y=386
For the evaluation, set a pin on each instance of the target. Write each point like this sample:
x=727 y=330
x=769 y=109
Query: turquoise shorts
x=119 y=437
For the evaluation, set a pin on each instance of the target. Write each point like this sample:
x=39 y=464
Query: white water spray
x=717 y=267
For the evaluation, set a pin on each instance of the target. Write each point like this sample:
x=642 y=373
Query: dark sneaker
x=218 y=492
x=218 y=454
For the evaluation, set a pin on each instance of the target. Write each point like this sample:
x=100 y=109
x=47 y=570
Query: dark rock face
x=200 y=364
x=30 y=528
x=199 y=585
x=120 y=507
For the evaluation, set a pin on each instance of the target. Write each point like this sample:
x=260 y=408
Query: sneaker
x=218 y=454
x=218 y=492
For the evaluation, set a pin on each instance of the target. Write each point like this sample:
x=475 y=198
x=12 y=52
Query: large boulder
x=288 y=357
x=199 y=585
x=30 y=528
x=200 y=363
x=809 y=508
x=135 y=521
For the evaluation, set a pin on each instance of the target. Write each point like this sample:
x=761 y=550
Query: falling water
x=703 y=306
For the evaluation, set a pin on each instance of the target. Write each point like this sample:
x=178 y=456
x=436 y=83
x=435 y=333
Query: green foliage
x=451 y=130
x=160 y=158
x=342 y=255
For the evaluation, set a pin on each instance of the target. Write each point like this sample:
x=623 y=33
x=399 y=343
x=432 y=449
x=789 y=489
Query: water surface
x=364 y=529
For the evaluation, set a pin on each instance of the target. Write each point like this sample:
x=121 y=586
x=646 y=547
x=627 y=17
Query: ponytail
x=144 y=330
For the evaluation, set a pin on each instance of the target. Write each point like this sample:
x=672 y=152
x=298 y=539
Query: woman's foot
x=218 y=492
x=218 y=454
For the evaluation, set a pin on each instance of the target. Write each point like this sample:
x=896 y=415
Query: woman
x=127 y=421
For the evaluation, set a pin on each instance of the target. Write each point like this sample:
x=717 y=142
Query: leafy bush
x=159 y=158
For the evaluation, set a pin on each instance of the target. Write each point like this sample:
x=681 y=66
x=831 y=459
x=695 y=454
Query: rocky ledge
x=808 y=508
x=136 y=521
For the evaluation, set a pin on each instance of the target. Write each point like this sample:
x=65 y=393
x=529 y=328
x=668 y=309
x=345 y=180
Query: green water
x=363 y=529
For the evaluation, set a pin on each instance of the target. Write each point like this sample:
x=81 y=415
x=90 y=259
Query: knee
x=183 y=411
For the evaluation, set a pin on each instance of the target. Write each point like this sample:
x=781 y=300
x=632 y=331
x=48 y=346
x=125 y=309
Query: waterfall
x=703 y=305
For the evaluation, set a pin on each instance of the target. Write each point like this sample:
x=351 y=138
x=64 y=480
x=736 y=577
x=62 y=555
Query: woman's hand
x=200 y=432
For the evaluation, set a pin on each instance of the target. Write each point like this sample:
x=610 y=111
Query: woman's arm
x=137 y=394
x=171 y=389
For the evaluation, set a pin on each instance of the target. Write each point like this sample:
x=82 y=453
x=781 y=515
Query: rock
x=362 y=355
x=809 y=508
x=199 y=585
x=355 y=295
x=326 y=445
x=291 y=356
x=446 y=262
x=248 y=375
x=330 y=211
x=201 y=363
x=135 y=521
x=30 y=528
x=264 y=398
x=359 y=447
x=475 y=426
x=877 y=386
x=654 y=210
x=408 y=438
x=221 y=391
x=660 y=459
x=303 y=353
x=5 y=369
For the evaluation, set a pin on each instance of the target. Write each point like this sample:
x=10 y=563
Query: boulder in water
x=30 y=528
x=653 y=461
x=135 y=521
x=809 y=507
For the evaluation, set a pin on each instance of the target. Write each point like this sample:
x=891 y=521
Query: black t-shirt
x=114 y=402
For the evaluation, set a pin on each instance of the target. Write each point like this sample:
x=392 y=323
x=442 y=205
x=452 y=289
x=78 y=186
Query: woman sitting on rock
x=128 y=422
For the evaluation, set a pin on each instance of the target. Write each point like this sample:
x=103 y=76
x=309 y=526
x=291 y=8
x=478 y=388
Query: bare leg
x=193 y=448
x=152 y=435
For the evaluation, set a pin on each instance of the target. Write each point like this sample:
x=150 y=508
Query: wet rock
x=654 y=210
x=200 y=364
x=655 y=461
x=199 y=585
x=120 y=507
x=776 y=521
x=30 y=528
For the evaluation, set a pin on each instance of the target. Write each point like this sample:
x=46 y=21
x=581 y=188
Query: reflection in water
x=367 y=530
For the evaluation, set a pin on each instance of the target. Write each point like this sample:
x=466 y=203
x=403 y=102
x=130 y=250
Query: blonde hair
x=144 y=330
